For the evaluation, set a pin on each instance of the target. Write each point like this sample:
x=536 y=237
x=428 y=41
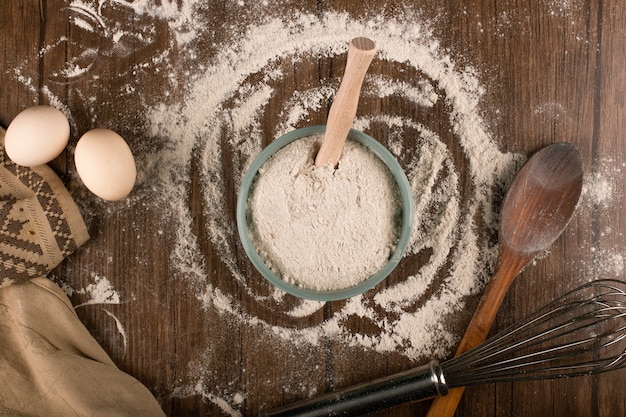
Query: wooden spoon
x=535 y=212
x=361 y=51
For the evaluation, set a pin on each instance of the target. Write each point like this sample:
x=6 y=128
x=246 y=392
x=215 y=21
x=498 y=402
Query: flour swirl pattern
x=281 y=74
x=435 y=131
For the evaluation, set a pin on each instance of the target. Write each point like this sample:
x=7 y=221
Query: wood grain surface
x=552 y=70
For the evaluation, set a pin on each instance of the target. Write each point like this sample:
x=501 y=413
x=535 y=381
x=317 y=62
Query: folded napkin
x=40 y=224
x=51 y=366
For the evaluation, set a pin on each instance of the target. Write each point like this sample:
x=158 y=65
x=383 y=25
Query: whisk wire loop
x=582 y=332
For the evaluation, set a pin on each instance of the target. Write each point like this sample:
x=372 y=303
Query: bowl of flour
x=324 y=233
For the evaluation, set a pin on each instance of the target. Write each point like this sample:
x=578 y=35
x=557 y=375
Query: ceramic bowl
x=406 y=222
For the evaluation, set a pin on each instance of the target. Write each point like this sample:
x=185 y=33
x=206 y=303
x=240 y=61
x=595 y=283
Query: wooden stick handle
x=361 y=51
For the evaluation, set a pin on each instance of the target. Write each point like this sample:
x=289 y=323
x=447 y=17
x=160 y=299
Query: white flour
x=601 y=191
x=100 y=292
x=319 y=227
x=445 y=222
x=228 y=94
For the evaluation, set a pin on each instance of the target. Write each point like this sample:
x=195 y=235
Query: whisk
x=581 y=333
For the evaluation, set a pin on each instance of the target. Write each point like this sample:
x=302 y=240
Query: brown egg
x=105 y=164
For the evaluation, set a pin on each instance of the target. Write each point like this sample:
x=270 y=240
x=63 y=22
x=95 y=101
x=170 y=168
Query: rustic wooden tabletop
x=460 y=91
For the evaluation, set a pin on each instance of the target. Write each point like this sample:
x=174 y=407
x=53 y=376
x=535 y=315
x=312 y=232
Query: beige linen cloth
x=49 y=363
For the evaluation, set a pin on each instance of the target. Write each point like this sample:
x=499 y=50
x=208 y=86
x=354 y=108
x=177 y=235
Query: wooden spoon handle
x=511 y=263
x=361 y=51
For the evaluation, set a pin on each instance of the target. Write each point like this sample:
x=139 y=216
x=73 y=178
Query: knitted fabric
x=40 y=224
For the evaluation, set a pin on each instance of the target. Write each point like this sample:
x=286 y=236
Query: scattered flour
x=602 y=192
x=220 y=101
x=224 y=111
x=598 y=189
x=563 y=8
x=445 y=225
x=223 y=403
x=120 y=328
x=100 y=292
x=422 y=94
x=92 y=17
x=609 y=264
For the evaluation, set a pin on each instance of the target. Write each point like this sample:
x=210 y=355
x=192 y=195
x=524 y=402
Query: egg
x=36 y=136
x=105 y=164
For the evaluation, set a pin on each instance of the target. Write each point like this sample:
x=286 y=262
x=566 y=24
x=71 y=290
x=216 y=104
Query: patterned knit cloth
x=53 y=365
x=40 y=224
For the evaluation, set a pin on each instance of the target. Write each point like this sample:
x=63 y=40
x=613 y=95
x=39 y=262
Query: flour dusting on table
x=223 y=115
x=445 y=225
x=100 y=292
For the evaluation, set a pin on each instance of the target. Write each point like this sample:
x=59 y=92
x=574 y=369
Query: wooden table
x=551 y=70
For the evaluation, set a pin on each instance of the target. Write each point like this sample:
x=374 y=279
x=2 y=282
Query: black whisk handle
x=419 y=383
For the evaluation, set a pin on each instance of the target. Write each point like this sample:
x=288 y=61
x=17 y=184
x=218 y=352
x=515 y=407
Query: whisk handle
x=419 y=383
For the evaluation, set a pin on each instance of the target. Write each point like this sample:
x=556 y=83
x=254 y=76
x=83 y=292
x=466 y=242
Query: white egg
x=105 y=164
x=36 y=136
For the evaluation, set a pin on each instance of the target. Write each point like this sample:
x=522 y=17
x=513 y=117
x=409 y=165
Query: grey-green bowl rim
x=406 y=228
